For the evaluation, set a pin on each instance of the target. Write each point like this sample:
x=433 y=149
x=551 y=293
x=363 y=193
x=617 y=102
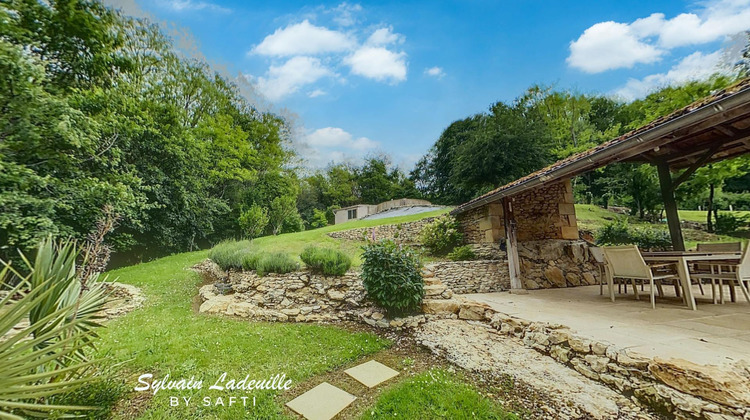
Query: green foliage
x=392 y=277
x=727 y=223
x=283 y=215
x=435 y=394
x=619 y=232
x=232 y=254
x=253 y=221
x=49 y=356
x=319 y=219
x=98 y=109
x=441 y=235
x=276 y=262
x=462 y=253
x=328 y=261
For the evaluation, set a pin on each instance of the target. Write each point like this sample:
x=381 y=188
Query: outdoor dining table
x=682 y=259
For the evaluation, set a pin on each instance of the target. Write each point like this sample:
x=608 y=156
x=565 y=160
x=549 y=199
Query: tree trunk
x=709 y=208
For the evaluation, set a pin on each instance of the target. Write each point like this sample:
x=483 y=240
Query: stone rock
x=580 y=345
x=599 y=348
x=434 y=290
x=559 y=336
x=560 y=353
x=598 y=363
x=723 y=386
x=291 y=311
x=589 y=278
x=555 y=275
x=584 y=369
x=243 y=309
x=377 y=316
x=336 y=295
x=216 y=305
x=573 y=279
x=471 y=311
x=440 y=306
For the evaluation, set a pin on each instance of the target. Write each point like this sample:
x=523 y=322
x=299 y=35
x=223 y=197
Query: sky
x=362 y=78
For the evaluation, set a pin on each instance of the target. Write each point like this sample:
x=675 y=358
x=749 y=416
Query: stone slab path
x=371 y=374
x=475 y=347
x=322 y=402
x=325 y=401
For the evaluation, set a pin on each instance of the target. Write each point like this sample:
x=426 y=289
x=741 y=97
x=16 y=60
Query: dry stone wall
x=546 y=212
x=401 y=232
x=479 y=276
x=556 y=263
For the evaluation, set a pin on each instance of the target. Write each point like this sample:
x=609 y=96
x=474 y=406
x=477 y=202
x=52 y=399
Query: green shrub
x=462 y=253
x=277 y=262
x=618 y=232
x=392 y=277
x=727 y=223
x=441 y=235
x=330 y=262
x=253 y=221
x=230 y=254
x=250 y=261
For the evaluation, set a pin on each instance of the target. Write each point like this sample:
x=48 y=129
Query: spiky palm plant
x=48 y=356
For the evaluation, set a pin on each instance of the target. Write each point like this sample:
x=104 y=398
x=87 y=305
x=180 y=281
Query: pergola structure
x=710 y=130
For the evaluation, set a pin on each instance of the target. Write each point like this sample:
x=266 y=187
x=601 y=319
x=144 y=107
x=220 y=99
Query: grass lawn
x=295 y=243
x=592 y=217
x=435 y=394
x=166 y=336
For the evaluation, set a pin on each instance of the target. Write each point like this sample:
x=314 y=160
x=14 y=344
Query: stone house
x=359 y=211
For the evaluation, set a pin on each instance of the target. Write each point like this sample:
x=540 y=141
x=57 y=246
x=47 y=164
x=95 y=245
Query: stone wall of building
x=483 y=225
x=479 y=276
x=556 y=263
x=402 y=232
x=546 y=212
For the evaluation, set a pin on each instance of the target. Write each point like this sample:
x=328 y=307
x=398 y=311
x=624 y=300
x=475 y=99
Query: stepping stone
x=321 y=403
x=371 y=373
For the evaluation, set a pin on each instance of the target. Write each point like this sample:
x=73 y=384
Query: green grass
x=295 y=243
x=167 y=337
x=592 y=217
x=435 y=394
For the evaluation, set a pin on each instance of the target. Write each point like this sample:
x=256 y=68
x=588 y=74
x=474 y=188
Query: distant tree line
x=481 y=152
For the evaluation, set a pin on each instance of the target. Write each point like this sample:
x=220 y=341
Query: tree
x=283 y=210
x=253 y=221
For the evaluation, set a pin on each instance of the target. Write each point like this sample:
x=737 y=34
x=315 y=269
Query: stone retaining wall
x=401 y=232
x=556 y=263
x=479 y=276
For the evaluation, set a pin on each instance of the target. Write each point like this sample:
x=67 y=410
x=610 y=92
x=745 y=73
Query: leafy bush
x=230 y=254
x=618 y=232
x=462 y=253
x=727 y=223
x=327 y=261
x=441 y=235
x=250 y=261
x=392 y=277
x=254 y=221
x=277 y=262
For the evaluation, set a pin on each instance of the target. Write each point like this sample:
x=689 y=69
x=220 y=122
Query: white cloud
x=378 y=63
x=435 y=72
x=303 y=39
x=384 y=36
x=345 y=13
x=190 y=5
x=610 y=45
x=334 y=137
x=317 y=92
x=286 y=79
x=695 y=66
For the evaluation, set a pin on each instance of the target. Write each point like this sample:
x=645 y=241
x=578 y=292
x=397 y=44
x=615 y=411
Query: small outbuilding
x=360 y=211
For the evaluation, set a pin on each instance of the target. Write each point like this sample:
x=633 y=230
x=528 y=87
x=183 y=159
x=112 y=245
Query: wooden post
x=670 y=205
x=511 y=246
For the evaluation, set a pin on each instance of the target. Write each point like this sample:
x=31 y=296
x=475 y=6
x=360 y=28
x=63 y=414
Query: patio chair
x=733 y=274
x=703 y=268
x=598 y=255
x=627 y=262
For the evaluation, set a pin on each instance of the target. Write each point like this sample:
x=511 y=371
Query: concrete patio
x=711 y=335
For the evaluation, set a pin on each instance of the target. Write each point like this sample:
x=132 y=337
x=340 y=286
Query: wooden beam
x=670 y=206
x=511 y=247
x=694 y=167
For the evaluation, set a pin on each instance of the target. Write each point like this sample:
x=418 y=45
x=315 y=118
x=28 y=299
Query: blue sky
x=389 y=76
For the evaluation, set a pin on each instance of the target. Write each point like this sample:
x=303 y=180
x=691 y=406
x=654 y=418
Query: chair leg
x=721 y=291
x=653 y=298
x=744 y=288
x=635 y=289
x=713 y=290
x=700 y=286
x=677 y=288
x=659 y=288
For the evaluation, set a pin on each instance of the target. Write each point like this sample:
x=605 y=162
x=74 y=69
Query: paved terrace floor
x=714 y=334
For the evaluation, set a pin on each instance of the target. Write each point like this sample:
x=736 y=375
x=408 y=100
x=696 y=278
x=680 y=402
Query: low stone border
x=675 y=387
x=478 y=276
